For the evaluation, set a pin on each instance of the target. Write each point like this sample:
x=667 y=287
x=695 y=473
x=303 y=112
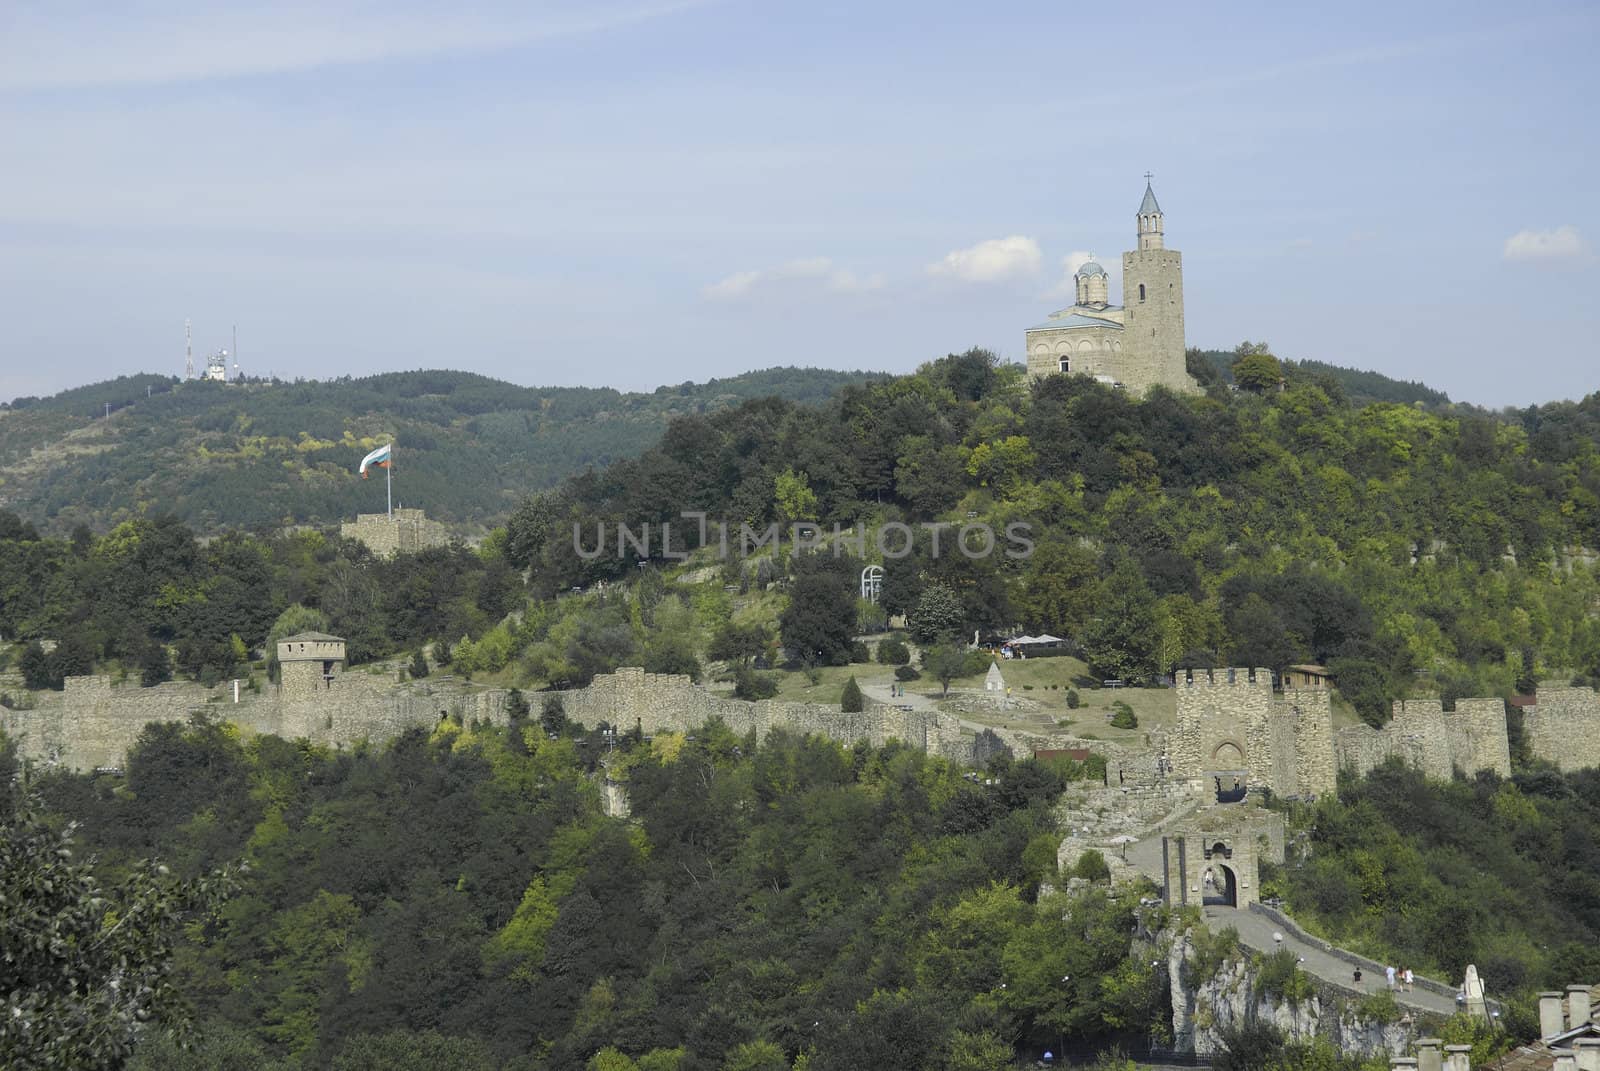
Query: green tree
x=795 y=499
x=1120 y=639
x=893 y=652
x=1257 y=372
x=945 y=662
x=402 y=1050
x=936 y=615
x=851 y=702
x=818 y=625
x=553 y=716
x=88 y=967
x=419 y=664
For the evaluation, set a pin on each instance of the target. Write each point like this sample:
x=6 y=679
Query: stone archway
x=1216 y=867
x=1227 y=755
x=1219 y=885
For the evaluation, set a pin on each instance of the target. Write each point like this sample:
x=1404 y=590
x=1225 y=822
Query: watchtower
x=309 y=663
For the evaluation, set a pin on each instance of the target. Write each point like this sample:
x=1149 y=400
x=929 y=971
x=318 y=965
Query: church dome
x=1089 y=268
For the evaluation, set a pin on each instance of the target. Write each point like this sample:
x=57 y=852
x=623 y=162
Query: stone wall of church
x=1091 y=351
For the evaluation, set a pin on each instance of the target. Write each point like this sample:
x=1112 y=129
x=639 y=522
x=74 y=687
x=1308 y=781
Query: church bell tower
x=1152 y=295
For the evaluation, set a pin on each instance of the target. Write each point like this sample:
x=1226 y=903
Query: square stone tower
x=1152 y=301
x=308 y=664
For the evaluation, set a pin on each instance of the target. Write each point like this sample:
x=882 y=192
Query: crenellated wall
x=1231 y=719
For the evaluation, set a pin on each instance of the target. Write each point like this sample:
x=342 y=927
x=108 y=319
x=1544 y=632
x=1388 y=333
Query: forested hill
x=257 y=454
x=1359 y=386
x=1411 y=550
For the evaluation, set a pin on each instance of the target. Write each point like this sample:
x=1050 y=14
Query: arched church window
x=1066 y=364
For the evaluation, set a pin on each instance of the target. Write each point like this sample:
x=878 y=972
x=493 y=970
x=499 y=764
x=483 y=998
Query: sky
x=632 y=193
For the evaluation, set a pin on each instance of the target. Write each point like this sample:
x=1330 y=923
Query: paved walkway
x=1256 y=931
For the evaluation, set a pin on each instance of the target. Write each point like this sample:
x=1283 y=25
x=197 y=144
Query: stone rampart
x=1564 y=727
x=655 y=702
x=1422 y=735
x=93 y=723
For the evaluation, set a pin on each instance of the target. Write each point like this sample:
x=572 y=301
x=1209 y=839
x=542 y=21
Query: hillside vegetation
x=462 y=894
x=1410 y=550
x=261 y=454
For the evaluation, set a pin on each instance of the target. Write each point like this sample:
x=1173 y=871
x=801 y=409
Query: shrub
x=419 y=664
x=1074 y=701
x=906 y=673
x=1122 y=716
x=851 y=702
x=1091 y=866
x=553 y=716
x=859 y=652
x=893 y=653
x=1379 y=1007
x=748 y=684
x=1279 y=976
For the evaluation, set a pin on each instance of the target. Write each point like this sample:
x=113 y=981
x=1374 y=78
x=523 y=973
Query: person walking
x=1410 y=979
x=1388 y=972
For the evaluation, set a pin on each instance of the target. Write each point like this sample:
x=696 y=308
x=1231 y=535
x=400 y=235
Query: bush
x=851 y=702
x=1280 y=977
x=893 y=653
x=859 y=652
x=1074 y=701
x=1092 y=866
x=1122 y=716
x=906 y=673
x=419 y=665
x=748 y=684
x=1379 y=1007
x=553 y=716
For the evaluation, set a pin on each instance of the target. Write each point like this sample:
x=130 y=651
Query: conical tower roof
x=1148 y=205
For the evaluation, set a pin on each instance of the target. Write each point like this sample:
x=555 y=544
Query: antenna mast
x=188 y=352
x=235 y=351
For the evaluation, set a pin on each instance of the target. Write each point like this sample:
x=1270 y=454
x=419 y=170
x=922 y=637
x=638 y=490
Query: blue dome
x=1090 y=268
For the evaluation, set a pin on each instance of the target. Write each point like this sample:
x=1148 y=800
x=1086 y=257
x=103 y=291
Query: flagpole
x=388 y=479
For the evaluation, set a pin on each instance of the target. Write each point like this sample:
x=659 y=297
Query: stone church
x=1136 y=345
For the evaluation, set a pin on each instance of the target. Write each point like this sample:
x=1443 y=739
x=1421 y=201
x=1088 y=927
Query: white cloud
x=815 y=271
x=1067 y=288
x=1562 y=243
x=991 y=261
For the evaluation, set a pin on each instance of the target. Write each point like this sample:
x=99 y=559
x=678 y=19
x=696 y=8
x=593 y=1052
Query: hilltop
x=259 y=454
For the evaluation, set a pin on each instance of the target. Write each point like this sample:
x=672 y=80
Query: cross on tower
x=1147 y=177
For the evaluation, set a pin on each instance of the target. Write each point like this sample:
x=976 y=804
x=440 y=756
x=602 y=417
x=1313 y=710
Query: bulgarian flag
x=378 y=457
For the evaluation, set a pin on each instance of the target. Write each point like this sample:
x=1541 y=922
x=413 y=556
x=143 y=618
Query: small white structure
x=994 y=682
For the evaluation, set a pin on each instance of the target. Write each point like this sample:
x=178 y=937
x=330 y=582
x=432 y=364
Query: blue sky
x=638 y=192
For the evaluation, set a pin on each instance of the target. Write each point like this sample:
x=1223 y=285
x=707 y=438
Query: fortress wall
x=1224 y=722
x=1284 y=754
x=655 y=702
x=1424 y=736
x=1477 y=735
x=1564 y=728
x=1315 y=769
